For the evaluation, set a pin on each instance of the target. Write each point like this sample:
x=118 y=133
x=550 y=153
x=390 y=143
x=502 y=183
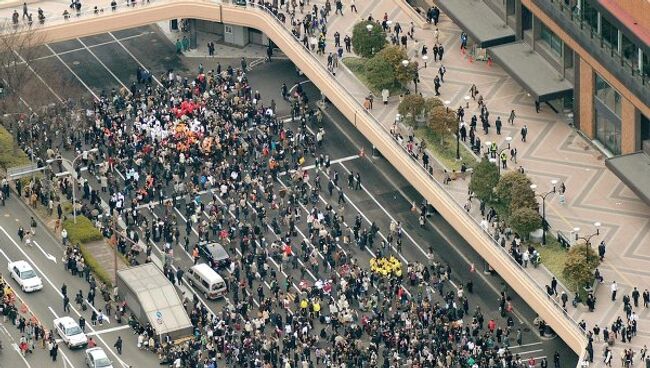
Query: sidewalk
x=554 y=151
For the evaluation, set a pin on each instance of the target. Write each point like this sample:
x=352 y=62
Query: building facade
x=595 y=53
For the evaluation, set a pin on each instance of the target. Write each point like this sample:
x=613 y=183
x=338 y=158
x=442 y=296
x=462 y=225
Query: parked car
x=70 y=332
x=25 y=276
x=215 y=254
x=97 y=358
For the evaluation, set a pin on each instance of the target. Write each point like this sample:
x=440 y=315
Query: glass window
x=590 y=15
x=630 y=52
x=646 y=64
x=608 y=132
x=609 y=33
x=608 y=95
x=645 y=128
x=554 y=42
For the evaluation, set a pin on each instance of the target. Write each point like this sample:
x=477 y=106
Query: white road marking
x=73 y=72
x=56 y=290
x=102 y=64
x=108 y=330
x=344 y=159
x=38 y=76
x=47 y=255
x=134 y=58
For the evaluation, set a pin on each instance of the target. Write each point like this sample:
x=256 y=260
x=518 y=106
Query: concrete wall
x=586 y=99
x=631 y=127
x=432 y=191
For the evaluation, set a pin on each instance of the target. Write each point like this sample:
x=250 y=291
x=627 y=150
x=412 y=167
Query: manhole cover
x=76 y=62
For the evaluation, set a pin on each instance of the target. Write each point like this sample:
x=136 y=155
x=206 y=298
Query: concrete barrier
x=262 y=20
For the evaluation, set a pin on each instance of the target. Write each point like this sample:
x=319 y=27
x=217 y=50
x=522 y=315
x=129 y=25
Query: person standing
x=601 y=250
x=498 y=124
x=511 y=118
x=537 y=107
x=66 y=304
x=556 y=359
x=614 y=289
x=54 y=351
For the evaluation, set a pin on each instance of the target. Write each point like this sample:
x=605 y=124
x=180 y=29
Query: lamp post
x=466 y=101
x=587 y=238
x=543 y=197
x=74 y=195
x=369 y=27
x=425 y=58
x=487 y=146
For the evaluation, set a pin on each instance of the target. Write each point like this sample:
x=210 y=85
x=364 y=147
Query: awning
x=634 y=170
x=479 y=21
x=532 y=71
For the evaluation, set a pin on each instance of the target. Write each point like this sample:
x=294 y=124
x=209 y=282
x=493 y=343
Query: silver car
x=97 y=358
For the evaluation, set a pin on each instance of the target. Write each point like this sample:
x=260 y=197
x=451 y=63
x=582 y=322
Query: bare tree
x=18 y=47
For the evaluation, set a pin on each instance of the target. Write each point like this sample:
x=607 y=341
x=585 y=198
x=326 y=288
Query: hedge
x=85 y=232
x=10 y=154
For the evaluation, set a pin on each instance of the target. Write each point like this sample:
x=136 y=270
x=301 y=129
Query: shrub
x=579 y=266
x=84 y=232
x=366 y=43
x=484 y=179
x=10 y=154
x=442 y=121
x=524 y=220
x=394 y=55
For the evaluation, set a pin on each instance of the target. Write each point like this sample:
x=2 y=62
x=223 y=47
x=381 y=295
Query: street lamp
x=587 y=238
x=447 y=103
x=369 y=27
x=467 y=102
x=74 y=195
x=405 y=63
x=487 y=146
x=543 y=197
x=425 y=58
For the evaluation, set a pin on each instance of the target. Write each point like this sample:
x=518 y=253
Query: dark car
x=215 y=254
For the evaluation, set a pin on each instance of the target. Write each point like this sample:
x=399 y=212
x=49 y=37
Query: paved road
x=101 y=63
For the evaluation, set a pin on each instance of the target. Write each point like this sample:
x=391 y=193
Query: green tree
x=380 y=73
x=579 y=266
x=513 y=191
x=431 y=103
x=411 y=107
x=442 y=121
x=524 y=220
x=395 y=55
x=484 y=179
x=367 y=43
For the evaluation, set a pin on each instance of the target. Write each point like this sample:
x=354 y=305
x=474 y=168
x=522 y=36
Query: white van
x=207 y=280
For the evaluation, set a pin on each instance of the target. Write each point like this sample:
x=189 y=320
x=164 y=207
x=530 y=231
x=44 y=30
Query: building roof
x=634 y=170
x=157 y=297
x=479 y=21
x=627 y=20
x=530 y=69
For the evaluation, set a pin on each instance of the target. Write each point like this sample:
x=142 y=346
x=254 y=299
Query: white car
x=25 y=276
x=70 y=332
x=97 y=358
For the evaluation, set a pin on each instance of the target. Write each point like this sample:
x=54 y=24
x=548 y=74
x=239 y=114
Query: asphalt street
x=91 y=65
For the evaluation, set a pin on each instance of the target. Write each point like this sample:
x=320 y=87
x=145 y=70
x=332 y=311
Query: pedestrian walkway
x=554 y=150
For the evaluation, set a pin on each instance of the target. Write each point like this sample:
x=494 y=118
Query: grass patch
x=84 y=232
x=446 y=152
x=553 y=257
x=357 y=66
x=10 y=154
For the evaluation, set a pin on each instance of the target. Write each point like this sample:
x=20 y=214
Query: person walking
x=54 y=351
x=524 y=133
x=118 y=345
x=511 y=118
x=66 y=304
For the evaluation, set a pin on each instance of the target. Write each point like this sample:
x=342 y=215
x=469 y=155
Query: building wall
x=632 y=104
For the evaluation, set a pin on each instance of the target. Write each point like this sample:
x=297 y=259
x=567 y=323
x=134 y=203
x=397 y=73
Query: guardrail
x=258 y=16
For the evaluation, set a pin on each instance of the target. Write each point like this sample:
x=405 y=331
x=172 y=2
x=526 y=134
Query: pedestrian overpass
x=91 y=23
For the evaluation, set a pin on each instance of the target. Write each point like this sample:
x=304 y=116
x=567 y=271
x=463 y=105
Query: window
x=590 y=15
x=608 y=132
x=609 y=33
x=630 y=52
x=553 y=41
x=608 y=95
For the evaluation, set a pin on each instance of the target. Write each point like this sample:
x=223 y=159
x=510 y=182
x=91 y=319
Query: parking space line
x=38 y=76
x=73 y=72
x=133 y=56
x=102 y=64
